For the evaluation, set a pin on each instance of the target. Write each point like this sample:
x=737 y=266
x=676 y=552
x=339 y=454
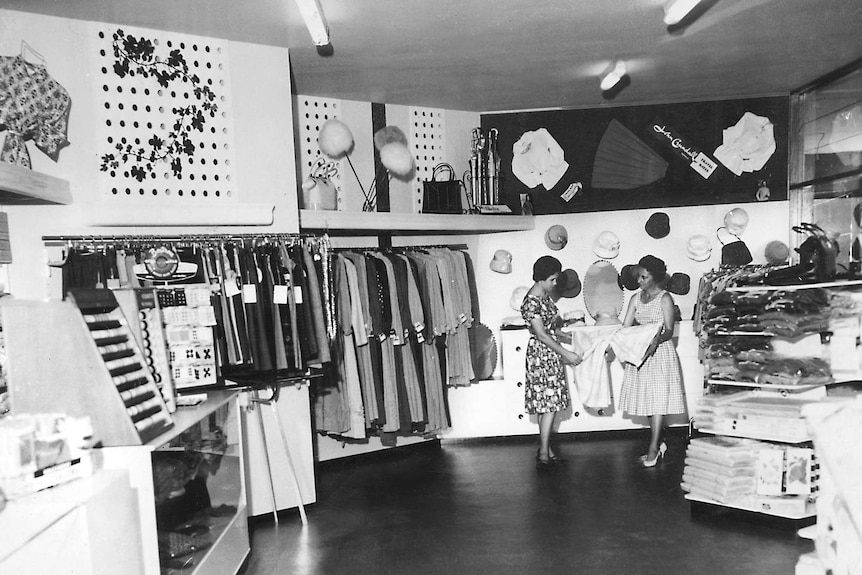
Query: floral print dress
x=546 y=388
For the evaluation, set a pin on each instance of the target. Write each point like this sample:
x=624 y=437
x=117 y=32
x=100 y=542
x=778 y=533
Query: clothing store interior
x=325 y=287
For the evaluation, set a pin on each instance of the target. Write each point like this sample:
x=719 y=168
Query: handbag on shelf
x=442 y=196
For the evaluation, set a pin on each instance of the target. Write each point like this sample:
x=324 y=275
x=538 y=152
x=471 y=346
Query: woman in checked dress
x=654 y=388
x=546 y=391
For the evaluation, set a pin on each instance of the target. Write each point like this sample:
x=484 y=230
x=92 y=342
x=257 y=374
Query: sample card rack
x=80 y=357
x=141 y=308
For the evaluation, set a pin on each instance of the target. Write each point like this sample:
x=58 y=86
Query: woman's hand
x=571 y=357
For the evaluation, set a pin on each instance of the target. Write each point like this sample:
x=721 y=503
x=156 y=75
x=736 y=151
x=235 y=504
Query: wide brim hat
x=658 y=225
x=606 y=245
x=628 y=277
x=556 y=237
x=568 y=283
x=698 y=248
x=502 y=262
x=776 y=252
x=736 y=220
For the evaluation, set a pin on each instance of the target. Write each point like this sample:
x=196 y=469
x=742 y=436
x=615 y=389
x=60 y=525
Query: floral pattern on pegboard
x=137 y=56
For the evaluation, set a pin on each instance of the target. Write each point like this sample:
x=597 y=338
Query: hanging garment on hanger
x=318 y=316
x=331 y=404
x=360 y=339
x=350 y=366
x=294 y=347
x=32 y=106
x=387 y=346
x=265 y=258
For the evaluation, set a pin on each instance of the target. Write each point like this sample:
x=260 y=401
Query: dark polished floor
x=483 y=508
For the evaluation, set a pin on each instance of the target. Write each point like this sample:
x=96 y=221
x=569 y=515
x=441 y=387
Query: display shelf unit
x=20 y=186
x=359 y=223
x=801 y=511
x=82 y=359
x=789 y=432
x=190 y=483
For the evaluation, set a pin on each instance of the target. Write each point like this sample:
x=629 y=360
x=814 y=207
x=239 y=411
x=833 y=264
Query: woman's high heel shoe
x=653 y=462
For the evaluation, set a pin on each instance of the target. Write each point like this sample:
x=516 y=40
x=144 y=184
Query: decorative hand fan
x=624 y=161
x=483 y=351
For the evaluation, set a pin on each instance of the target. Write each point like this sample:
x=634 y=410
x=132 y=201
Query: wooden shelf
x=368 y=223
x=20 y=186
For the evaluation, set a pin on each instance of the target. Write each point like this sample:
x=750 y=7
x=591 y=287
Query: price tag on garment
x=249 y=293
x=113 y=283
x=297 y=294
x=279 y=294
x=231 y=286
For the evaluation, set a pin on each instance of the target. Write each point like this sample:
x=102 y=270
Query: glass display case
x=826 y=159
x=191 y=490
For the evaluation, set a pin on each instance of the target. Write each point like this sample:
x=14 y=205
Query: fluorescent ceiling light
x=612 y=75
x=676 y=10
x=315 y=21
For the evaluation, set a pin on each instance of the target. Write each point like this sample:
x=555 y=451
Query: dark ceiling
x=483 y=55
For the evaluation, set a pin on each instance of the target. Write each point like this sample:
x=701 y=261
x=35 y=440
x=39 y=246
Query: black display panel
x=650 y=156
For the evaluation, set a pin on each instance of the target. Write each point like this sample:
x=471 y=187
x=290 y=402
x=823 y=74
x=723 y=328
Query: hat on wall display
x=502 y=262
x=736 y=220
x=606 y=245
x=556 y=237
x=658 y=225
x=776 y=252
x=679 y=284
x=698 y=248
x=628 y=277
x=517 y=298
x=568 y=283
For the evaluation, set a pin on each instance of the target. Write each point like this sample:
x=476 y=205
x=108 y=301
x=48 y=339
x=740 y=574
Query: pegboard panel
x=166 y=129
x=427 y=140
x=311 y=114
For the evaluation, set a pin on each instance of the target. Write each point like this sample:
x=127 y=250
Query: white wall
x=263 y=144
x=767 y=221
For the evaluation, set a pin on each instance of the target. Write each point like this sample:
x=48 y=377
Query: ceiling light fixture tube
x=315 y=21
x=676 y=10
x=612 y=75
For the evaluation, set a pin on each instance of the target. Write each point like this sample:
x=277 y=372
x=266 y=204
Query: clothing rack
x=402 y=248
x=178 y=239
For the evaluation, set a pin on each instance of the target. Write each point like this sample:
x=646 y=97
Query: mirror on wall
x=603 y=296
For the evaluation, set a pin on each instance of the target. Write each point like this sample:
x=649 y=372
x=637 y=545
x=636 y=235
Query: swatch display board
x=661 y=155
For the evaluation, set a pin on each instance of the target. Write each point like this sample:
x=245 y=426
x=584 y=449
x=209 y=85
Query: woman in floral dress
x=546 y=389
x=654 y=388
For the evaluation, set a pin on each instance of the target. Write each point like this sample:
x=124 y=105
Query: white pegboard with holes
x=427 y=140
x=311 y=113
x=166 y=130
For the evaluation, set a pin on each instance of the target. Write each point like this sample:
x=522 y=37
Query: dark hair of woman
x=545 y=267
x=656 y=268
